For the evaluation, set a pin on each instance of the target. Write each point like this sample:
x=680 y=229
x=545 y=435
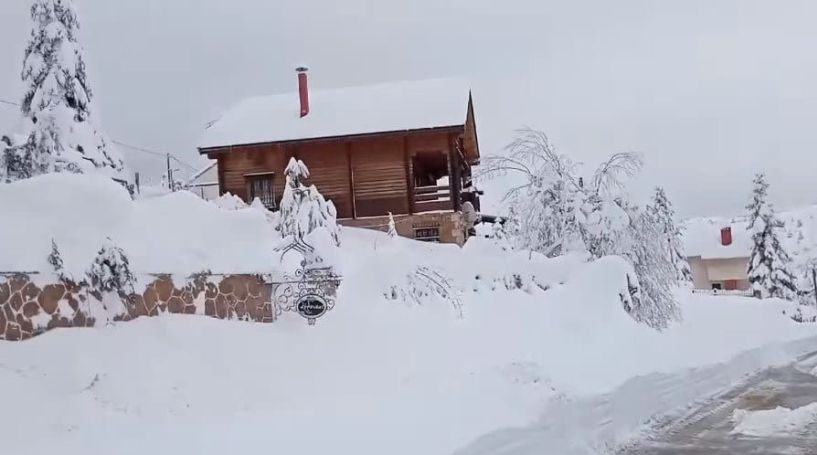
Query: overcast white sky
x=709 y=91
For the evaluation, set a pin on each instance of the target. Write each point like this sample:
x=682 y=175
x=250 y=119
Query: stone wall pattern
x=27 y=310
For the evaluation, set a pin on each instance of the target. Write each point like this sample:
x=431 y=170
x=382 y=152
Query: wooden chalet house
x=405 y=148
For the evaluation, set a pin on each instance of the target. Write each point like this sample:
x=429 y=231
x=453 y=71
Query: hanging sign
x=312 y=307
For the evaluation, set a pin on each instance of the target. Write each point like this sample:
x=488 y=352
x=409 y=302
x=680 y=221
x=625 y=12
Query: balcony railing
x=432 y=198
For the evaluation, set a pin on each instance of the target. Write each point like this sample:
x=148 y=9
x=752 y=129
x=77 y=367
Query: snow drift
x=403 y=364
x=177 y=233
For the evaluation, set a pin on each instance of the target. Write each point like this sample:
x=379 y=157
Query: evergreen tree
x=60 y=132
x=768 y=269
x=110 y=271
x=663 y=216
x=55 y=259
x=304 y=209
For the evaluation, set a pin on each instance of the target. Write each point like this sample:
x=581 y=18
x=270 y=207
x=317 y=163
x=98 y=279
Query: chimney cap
x=301 y=68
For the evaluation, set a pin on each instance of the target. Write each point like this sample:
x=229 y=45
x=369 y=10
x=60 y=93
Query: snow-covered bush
x=642 y=244
x=59 y=130
x=55 y=259
x=304 y=209
x=110 y=271
x=805 y=314
x=769 y=263
x=559 y=213
x=427 y=285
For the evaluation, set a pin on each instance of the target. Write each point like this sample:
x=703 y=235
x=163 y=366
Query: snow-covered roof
x=384 y=107
x=194 y=179
x=702 y=237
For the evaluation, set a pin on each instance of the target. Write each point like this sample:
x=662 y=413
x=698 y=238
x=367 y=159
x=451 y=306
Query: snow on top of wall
x=384 y=107
x=702 y=236
x=175 y=233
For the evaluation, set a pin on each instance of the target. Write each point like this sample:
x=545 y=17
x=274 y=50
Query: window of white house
x=261 y=186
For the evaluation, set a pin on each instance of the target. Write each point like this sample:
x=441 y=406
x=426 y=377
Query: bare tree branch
x=610 y=175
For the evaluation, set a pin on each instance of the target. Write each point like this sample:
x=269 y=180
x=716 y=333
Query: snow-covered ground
x=775 y=421
x=396 y=367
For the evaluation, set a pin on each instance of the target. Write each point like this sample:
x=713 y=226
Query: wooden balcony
x=432 y=198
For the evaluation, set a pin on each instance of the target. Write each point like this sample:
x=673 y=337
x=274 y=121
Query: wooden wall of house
x=328 y=164
x=379 y=167
x=379 y=170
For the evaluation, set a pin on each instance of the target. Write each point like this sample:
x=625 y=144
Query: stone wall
x=30 y=305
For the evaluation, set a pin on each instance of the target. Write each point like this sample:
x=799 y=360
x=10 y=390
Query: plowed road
x=710 y=429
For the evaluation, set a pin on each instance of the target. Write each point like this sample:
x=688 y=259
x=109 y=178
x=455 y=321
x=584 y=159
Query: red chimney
x=726 y=236
x=303 y=90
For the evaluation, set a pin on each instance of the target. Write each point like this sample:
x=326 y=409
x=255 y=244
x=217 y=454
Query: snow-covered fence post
x=392 y=227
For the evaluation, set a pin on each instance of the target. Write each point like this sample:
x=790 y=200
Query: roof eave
x=435 y=129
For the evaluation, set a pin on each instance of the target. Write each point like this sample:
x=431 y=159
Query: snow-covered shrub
x=559 y=213
x=55 y=259
x=59 y=130
x=304 y=209
x=110 y=271
x=426 y=285
x=642 y=244
x=805 y=314
x=769 y=263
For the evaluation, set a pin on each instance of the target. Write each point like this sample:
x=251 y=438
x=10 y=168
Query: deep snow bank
x=375 y=375
x=176 y=233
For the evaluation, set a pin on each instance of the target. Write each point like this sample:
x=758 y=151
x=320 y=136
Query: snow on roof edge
x=385 y=107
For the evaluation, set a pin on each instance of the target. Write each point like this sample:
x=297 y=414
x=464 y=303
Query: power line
x=132 y=147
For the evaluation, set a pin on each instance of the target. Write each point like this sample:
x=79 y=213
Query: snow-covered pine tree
x=60 y=131
x=392 y=227
x=768 y=269
x=110 y=271
x=664 y=217
x=55 y=259
x=304 y=209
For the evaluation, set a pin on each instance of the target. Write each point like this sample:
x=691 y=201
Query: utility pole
x=814 y=280
x=169 y=174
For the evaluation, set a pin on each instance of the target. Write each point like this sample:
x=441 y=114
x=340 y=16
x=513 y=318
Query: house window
x=261 y=186
x=717 y=286
x=427 y=234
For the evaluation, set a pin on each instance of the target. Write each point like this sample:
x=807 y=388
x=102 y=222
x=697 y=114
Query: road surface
x=708 y=430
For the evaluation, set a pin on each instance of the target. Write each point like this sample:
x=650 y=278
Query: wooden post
x=220 y=171
x=351 y=179
x=453 y=172
x=409 y=175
